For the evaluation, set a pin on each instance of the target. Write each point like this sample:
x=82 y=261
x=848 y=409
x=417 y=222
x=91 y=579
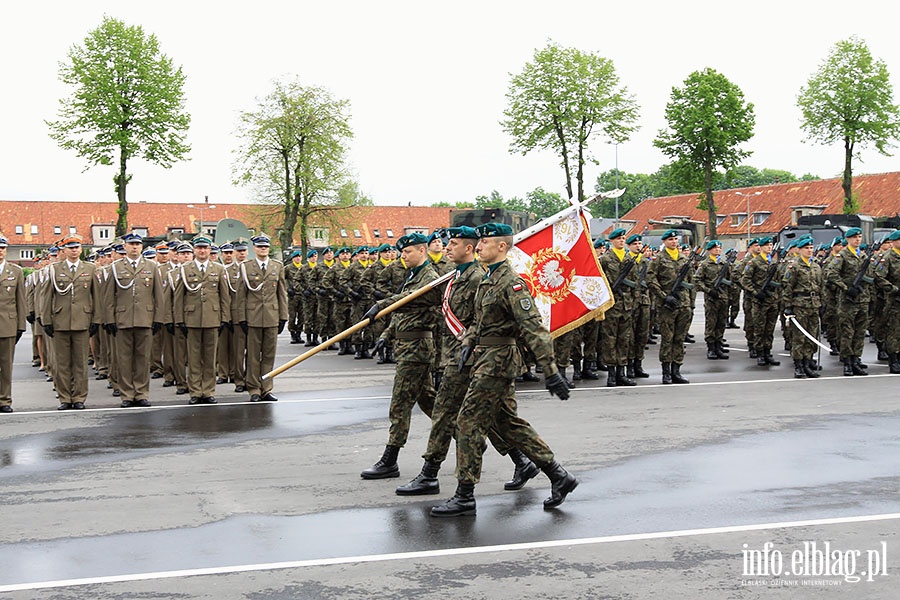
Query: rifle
x=679 y=283
x=861 y=277
x=763 y=292
x=730 y=257
x=642 y=280
x=623 y=275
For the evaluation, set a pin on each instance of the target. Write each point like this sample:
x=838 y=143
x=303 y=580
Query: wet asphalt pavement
x=147 y=499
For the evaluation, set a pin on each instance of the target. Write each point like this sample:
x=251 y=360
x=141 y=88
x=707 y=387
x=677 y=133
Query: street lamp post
x=201 y=208
x=748 y=196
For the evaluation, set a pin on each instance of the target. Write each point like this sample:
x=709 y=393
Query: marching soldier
x=68 y=317
x=674 y=307
x=764 y=302
x=262 y=308
x=617 y=334
x=391 y=278
x=201 y=310
x=847 y=273
x=12 y=322
x=504 y=311
x=801 y=285
x=715 y=299
x=887 y=277
x=413 y=324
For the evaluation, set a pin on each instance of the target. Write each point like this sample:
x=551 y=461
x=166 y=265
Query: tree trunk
x=847 y=181
x=121 y=183
x=565 y=157
x=580 y=173
x=286 y=239
x=711 y=206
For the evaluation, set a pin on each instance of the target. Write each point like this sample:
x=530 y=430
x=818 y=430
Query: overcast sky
x=426 y=85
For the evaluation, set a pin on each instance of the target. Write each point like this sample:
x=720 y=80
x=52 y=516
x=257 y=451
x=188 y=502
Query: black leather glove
x=222 y=326
x=30 y=318
x=182 y=328
x=671 y=302
x=762 y=295
x=291 y=293
x=371 y=314
x=19 y=333
x=170 y=327
x=355 y=295
x=307 y=293
x=281 y=324
x=379 y=345
x=379 y=295
x=48 y=329
x=464 y=353
x=713 y=293
x=557 y=386
x=111 y=328
x=244 y=327
x=436 y=378
x=788 y=311
x=155 y=327
x=94 y=328
x=852 y=292
x=322 y=293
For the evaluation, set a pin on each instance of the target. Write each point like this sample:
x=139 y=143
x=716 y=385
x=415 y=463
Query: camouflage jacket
x=754 y=277
x=662 y=274
x=462 y=304
x=887 y=275
x=841 y=273
x=411 y=324
x=390 y=279
x=708 y=273
x=612 y=266
x=801 y=284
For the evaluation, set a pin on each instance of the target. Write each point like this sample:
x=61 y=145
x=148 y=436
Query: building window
x=760 y=218
x=737 y=220
x=320 y=233
x=376 y=233
x=34 y=230
x=390 y=233
x=171 y=230
x=72 y=230
x=103 y=233
x=356 y=233
x=23 y=253
x=720 y=220
x=20 y=230
x=409 y=230
x=343 y=233
x=57 y=230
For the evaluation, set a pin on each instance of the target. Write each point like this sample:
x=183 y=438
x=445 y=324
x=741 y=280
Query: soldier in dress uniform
x=715 y=299
x=801 y=295
x=225 y=347
x=830 y=299
x=202 y=307
x=674 y=309
x=504 y=311
x=295 y=298
x=262 y=309
x=238 y=337
x=887 y=278
x=12 y=322
x=617 y=335
x=378 y=260
x=846 y=274
x=306 y=283
x=68 y=317
x=129 y=305
x=158 y=344
x=414 y=344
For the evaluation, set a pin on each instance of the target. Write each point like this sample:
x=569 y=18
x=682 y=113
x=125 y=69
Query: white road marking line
x=445 y=552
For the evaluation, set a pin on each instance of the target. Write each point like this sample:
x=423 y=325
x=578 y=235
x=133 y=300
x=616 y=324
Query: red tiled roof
x=879 y=197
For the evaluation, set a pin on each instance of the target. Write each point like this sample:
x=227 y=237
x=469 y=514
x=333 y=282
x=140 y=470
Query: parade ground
x=739 y=485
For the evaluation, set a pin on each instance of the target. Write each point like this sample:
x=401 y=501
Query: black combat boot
x=587 y=372
x=848 y=366
x=721 y=352
x=629 y=369
x=882 y=353
x=561 y=484
x=311 y=340
x=386 y=467
x=834 y=350
x=344 y=348
x=667 y=373
x=731 y=325
x=761 y=358
x=424 y=483
x=576 y=370
x=295 y=339
x=857 y=360
x=529 y=376
x=639 y=370
x=364 y=353
x=711 y=353
x=610 y=376
x=461 y=504
x=857 y=366
x=676 y=374
x=621 y=379
x=600 y=367
x=895 y=363
x=689 y=339
x=525 y=470
x=389 y=356
x=562 y=373
x=358 y=354
x=809 y=367
x=770 y=360
x=752 y=353
x=799 y=371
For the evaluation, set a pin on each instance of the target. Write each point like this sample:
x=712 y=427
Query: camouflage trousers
x=673 y=327
x=412 y=385
x=491 y=401
x=734 y=301
x=878 y=323
x=340 y=315
x=562 y=349
x=366 y=334
x=892 y=318
x=324 y=318
x=830 y=317
x=765 y=316
x=589 y=335
x=617 y=336
x=716 y=312
x=310 y=307
x=749 y=330
x=801 y=346
x=446 y=411
x=640 y=324
x=852 y=320
x=295 y=314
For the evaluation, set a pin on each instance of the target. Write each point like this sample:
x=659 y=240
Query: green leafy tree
x=638 y=187
x=127 y=102
x=560 y=100
x=544 y=204
x=850 y=100
x=292 y=152
x=495 y=200
x=708 y=119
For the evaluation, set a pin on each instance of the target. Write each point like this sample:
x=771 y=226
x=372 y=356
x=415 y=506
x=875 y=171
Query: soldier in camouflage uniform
x=617 y=336
x=641 y=313
x=459 y=312
x=715 y=299
x=414 y=344
x=295 y=298
x=674 y=306
x=379 y=259
x=306 y=282
x=764 y=311
x=800 y=292
x=830 y=300
x=324 y=300
x=332 y=281
x=853 y=296
x=887 y=278
x=352 y=282
x=504 y=311
x=740 y=269
x=389 y=281
x=878 y=325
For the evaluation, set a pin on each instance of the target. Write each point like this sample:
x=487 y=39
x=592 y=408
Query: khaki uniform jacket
x=70 y=301
x=201 y=300
x=261 y=297
x=12 y=300
x=232 y=282
x=132 y=295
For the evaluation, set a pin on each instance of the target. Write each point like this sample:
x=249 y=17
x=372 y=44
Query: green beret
x=494 y=230
x=411 y=239
x=895 y=235
x=344 y=249
x=615 y=233
x=753 y=242
x=312 y=253
x=468 y=233
x=804 y=242
x=599 y=242
x=765 y=240
x=669 y=233
x=713 y=243
x=634 y=237
x=384 y=248
x=327 y=250
x=852 y=231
